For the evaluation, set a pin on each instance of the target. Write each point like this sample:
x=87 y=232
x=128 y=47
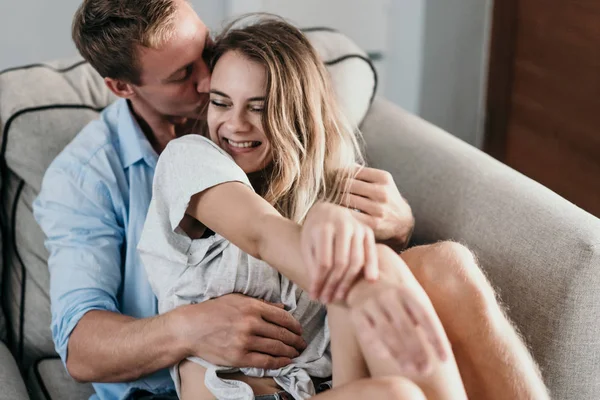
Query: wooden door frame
x=500 y=76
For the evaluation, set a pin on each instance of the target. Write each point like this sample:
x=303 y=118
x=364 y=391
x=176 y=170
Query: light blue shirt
x=92 y=208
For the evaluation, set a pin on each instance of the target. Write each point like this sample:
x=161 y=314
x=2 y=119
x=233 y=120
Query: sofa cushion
x=48 y=380
x=11 y=383
x=42 y=107
x=3 y=330
x=353 y=75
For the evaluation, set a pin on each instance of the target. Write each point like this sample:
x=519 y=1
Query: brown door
x=543 y=111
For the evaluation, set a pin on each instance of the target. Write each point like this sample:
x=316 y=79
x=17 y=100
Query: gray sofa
x=541 y=252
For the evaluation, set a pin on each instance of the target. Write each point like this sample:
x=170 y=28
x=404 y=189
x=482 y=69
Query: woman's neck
x=260 y=180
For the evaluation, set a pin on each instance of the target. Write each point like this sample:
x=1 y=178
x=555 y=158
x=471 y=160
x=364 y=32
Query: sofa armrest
x=540 y=252
x=11 y=382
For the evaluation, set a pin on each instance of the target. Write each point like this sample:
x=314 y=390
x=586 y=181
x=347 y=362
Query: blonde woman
x=255 y=210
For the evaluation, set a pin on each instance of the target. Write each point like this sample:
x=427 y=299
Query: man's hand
x=240 y=331
x=382 y=207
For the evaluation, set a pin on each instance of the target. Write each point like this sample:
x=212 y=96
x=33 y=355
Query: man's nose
x=203 y=78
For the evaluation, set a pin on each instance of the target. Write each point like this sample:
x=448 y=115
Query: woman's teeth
x=242 y=144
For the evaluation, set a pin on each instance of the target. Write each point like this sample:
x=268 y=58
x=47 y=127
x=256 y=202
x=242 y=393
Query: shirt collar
x=133 y=143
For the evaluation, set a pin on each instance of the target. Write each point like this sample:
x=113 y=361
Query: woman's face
x=237 y=97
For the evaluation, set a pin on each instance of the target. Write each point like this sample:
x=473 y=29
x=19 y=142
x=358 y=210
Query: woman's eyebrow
x=219 y=93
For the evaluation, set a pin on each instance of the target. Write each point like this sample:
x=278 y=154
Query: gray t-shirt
x=184 y=271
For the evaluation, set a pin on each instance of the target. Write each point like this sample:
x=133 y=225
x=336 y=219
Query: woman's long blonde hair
x=315 y=149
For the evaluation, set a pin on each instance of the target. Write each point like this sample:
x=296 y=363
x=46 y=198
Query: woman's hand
x=337 y=248
x=399 y=327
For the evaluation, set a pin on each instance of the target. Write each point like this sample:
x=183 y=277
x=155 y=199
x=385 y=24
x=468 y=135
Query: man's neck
x=160 y=130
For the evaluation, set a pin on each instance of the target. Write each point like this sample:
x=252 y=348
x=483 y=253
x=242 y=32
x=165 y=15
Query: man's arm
x=99 y=344
x=231 y=330
x=382 y=207
x=110 y=347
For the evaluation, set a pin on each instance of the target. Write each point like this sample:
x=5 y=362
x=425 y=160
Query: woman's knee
x=452 y=269
x=393 y=387
x=391 y=265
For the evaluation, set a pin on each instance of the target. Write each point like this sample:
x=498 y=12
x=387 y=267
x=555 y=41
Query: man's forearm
x=401 y=240
x=111 y=347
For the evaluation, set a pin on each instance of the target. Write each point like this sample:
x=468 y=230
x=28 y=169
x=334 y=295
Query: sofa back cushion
x=42 y=108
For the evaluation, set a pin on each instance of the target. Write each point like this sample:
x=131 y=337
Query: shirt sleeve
x=188 y=166
x=84 y=240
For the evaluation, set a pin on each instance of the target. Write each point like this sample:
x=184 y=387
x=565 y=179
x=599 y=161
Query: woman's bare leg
x=492 y=357
x=353 y=359
x=349 y=364
x=393 y=388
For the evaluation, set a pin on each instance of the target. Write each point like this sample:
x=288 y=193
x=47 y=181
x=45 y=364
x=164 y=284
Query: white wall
x=435 y=50
x=454 y=66
x=32 y=31
x=365 y=22
x=404 y=53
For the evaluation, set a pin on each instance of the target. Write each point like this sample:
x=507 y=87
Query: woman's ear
x=120 y=87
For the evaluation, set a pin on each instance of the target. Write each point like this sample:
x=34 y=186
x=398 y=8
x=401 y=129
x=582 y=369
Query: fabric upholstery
x=41 y=110
x=540 y=252
x=48 y=379
x=11 y=383
x=352 y=73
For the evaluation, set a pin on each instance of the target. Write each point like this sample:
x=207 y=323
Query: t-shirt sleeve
x=188 y=166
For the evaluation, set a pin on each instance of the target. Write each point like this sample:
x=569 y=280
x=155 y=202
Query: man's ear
x=120 y=88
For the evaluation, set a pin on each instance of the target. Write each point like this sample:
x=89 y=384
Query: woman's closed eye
x=218 y=103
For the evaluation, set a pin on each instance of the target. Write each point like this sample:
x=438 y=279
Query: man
x=93 y=204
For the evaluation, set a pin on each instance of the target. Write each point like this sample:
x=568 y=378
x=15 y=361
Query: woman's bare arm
x=243 y=217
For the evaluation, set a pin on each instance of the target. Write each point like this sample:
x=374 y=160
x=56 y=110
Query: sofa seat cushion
x=49 y=380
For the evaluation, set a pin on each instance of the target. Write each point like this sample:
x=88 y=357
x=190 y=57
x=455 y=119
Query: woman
x=266 y=186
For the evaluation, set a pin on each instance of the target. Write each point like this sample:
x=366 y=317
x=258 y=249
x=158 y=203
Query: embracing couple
x=248 y=260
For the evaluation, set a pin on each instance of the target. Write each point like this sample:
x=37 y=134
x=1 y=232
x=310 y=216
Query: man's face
x=174 y=78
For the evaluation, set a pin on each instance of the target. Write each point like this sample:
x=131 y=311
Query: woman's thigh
x=376 y=388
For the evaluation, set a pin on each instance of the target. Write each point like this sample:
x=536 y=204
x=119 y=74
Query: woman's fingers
x=322 y=244
x=344 y=234
x=427 y=321
x=417 y=357
x=371 y=266
x=356 y=263
x=387 y=325
x=337 y=248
